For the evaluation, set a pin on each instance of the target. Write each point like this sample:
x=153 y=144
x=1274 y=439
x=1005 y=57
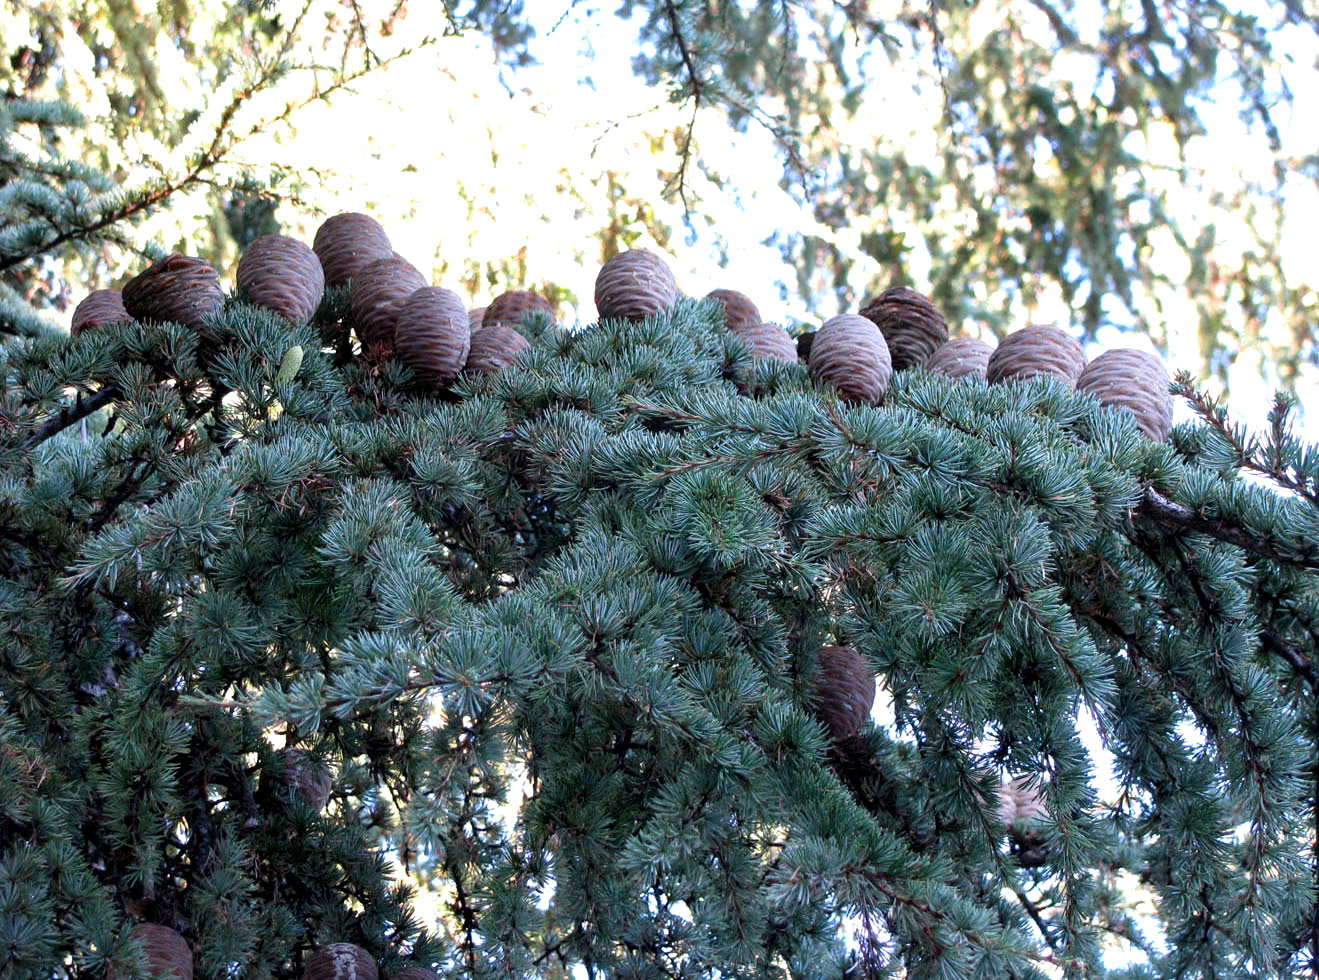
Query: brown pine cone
x=283 y=275
x=961 y=357
x=634 y=285
x=804 y=342
x=167 y=953
x=379 y=289
x=306 y=777
x=476 y=317
x=415 y=973
x=340 y=961
x=494 y=348
x=1037 y=350
x=768 y=342
x=432 y=336
x=346 y=242
x=1135 y=380
x=912 y=326
x=844 y=691
x=99 y=308
x=739 y=311
x=177 y=288
x=513 y=307
x=850 y=352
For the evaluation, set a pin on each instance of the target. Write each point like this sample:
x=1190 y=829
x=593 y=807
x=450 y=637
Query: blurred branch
x=697 y=86
x=221 y=145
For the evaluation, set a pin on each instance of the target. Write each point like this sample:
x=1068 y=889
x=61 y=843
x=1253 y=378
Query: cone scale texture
x=850 y=352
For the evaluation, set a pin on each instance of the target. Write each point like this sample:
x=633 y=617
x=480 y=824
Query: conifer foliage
x=279 y=625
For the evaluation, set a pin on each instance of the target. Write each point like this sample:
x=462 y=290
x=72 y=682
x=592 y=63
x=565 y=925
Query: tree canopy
x=531 y=666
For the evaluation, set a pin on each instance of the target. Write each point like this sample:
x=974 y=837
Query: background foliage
x=1120 y=166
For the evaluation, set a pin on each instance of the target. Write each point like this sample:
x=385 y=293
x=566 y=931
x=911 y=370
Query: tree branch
x=1299 y=663
x=1169 y=514
x=70 y=414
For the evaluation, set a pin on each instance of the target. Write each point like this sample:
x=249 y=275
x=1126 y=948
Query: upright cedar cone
x=768 y=342
x=283 y=275
x=494 y=348
x=1037 y=350
x=167 y=953
x=340 y=961
x=739 y=311
x=1019 y=803
x=634 y=285
x=432 y=336
x=415 y=973
x=961 y=357
x=850 y=352
x=912 y=326
x=346 y=242
x=844 y=691
x=176 y=288
x=476 y=317
x=513 y=307
x=1135 y=380
x=99 y=308
x=380 y=288
x=305 y=777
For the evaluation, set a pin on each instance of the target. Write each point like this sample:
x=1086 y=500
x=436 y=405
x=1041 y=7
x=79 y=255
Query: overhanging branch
x=1171 y=515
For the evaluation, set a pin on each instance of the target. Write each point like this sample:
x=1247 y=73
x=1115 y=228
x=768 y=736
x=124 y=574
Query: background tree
x=1140 y=167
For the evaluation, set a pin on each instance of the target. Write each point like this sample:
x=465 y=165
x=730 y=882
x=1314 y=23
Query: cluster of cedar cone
x=860 y=360
x=397 y=314
x=428 y=328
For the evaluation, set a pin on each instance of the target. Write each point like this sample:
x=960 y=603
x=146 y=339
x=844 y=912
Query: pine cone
x=494 y=348
x=961 y=357
x=739 y=311
x=768 y=342
x=850 y=352
x=1019 y=803
x=380 y=288
x=167 y=953
x=340 y=961
x=844 y=691
x=283 y=275
x=804 y=342
x=634 y=285
x=177 y=289
x=1037 y=350
x=912 y=326
x=1135 y=380
x=415 y=973
x=306 y=777
x=345 y=243
x=99 y=308
x=512 y=308
x=476 y=317
x=432 y=336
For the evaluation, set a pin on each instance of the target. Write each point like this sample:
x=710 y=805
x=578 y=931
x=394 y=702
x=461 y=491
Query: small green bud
x=288 y=368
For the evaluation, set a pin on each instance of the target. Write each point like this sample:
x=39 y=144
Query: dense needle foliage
x=555 y=632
